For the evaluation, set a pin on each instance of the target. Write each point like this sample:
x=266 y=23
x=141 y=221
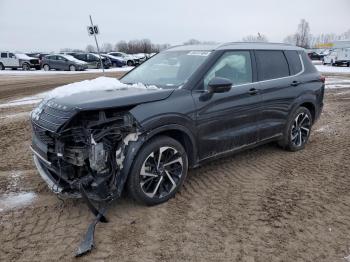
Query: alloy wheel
x=25 y=67
x=300 y=129
x=161 y=172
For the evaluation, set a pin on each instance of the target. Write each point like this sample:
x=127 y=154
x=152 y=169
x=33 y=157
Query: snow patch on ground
x=20 y=72
x=28 y=100
x=15 y=115
x=333 y=82
x=332 y=69
x=14 y=200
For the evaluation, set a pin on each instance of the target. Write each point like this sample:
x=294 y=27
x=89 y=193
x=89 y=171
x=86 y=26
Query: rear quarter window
x=293 y=61
x=271 y=64
x=3 y=55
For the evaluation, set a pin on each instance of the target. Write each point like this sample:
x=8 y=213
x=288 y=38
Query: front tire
x=158 y=172
x=72 y=68
x=25 y=67
x=297 y=131
x=130 y=63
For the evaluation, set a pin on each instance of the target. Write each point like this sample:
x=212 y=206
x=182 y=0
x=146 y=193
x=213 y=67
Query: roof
x=236 y=45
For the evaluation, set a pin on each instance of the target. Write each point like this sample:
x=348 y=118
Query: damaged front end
x=82 y=149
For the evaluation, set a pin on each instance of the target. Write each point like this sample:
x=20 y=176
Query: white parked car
x=131 y=60
x=339 y=56
x=14 y=61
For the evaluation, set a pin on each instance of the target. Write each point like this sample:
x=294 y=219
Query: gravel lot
x=264 y=204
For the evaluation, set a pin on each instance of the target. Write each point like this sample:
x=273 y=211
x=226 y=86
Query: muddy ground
x=264 y=204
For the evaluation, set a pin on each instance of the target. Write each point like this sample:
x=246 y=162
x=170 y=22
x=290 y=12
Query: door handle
x=295 y=83
x=253 y=91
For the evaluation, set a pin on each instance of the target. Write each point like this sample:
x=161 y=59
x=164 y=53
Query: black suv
x=210 y=101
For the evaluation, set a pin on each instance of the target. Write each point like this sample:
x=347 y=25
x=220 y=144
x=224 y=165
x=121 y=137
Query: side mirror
x=219 y=85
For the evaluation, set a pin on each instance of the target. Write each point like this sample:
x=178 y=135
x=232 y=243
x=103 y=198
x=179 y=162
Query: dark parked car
x=93 y=60
x=315 y=56
x=211 y=101
x=62 y=62
x=37 y=55
x=116 y=62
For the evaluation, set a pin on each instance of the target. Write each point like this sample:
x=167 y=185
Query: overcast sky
x=49 y=25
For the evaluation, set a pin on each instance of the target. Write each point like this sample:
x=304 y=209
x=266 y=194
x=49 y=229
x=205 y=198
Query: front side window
x=233 y=65
x=271 y=64
x=168 y=69
x=12 y=55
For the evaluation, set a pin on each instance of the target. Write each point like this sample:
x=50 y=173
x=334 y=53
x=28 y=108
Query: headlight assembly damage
x=83 y=154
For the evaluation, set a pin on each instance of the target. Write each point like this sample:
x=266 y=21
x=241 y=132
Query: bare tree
x=107 y=47
x=192 y=42
x=290 y=39
x=302 y=36
x=90 y=49
x=255 y=38
x=345 y=35
x=139 y=46
x=122 y=46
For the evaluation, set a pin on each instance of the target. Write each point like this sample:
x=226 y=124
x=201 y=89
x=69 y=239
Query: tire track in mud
x=261 y=205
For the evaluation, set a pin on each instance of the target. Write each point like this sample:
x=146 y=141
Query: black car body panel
x=113 y=98
x=208 y=124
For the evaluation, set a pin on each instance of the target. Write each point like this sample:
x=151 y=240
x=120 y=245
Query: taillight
x=323 y=78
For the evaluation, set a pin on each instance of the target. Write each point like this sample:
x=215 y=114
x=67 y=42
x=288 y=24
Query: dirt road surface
x=264 y=204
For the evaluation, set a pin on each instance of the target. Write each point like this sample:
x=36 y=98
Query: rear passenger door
x=277 y=70
x=61 y=63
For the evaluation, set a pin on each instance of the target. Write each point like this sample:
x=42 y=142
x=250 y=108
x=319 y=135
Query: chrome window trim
x=268 y=80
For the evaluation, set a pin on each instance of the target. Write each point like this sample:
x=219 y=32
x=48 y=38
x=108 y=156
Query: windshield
x=168 y=69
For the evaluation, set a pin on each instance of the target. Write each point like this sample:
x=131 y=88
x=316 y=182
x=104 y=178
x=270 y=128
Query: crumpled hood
x=112 y=98
x=105 y=92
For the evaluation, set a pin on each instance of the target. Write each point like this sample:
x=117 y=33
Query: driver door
x=12 y=60
x=227 y=121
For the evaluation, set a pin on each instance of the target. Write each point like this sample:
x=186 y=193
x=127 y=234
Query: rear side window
x=3 y=55
x=294 y=61
x=271 y=64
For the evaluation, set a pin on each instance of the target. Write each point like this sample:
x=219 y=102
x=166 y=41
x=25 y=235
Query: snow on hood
x=99 y=84
x=24 y=56
x=73 y=59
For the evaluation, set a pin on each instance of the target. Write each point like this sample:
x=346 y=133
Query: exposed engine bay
x=86 y=150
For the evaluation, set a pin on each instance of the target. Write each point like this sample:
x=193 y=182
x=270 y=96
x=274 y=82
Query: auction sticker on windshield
x=199 y=53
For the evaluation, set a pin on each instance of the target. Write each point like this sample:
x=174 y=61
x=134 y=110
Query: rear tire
x=297 y=130
x=46 y=67
x=2 y=66
x=158 y=171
